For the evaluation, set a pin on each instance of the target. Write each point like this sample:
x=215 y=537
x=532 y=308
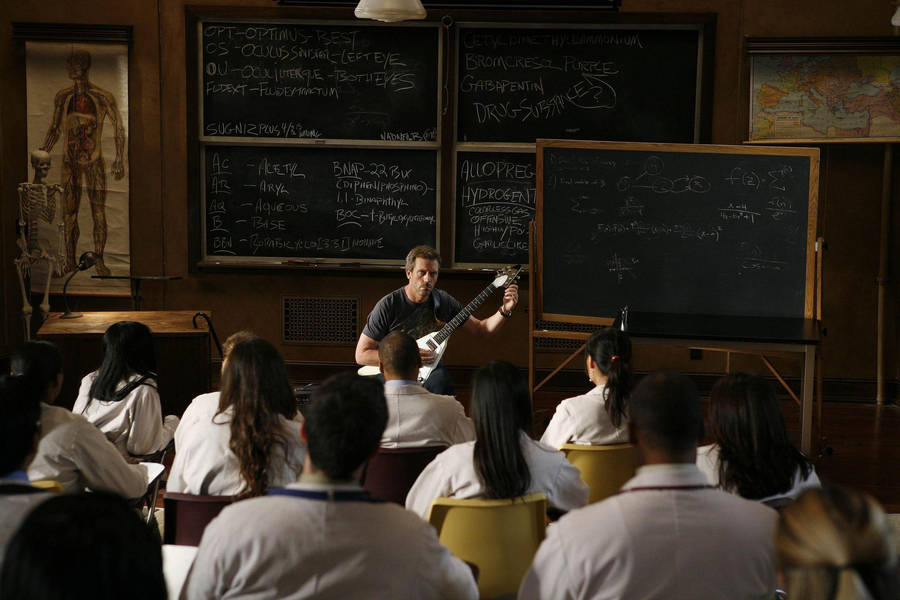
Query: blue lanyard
x=330 y=495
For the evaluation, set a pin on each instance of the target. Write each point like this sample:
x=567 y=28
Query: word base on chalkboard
x=674 y=228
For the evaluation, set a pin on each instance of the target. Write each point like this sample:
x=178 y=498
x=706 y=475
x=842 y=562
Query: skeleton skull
x=40 y=162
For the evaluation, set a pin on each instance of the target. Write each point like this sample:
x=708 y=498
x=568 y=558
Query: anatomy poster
x=77 y=104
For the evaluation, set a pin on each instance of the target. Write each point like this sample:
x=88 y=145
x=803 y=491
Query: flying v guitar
x=437 y=340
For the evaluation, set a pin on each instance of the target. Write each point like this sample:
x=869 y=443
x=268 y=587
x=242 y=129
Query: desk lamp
x=85 y=262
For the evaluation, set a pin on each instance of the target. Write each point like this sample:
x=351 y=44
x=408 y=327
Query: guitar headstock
x=507 y=276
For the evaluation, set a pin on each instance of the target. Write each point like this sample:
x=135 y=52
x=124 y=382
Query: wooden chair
x=48 y=485
x=500 y=537
x=185 y=516
x=392 y=471
x=604 y=468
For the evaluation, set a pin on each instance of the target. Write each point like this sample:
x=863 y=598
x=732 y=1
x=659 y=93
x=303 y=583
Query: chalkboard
x=309 y=203
x=675 y=228
x=282 y=80
x=495 y=201
x=596 y=82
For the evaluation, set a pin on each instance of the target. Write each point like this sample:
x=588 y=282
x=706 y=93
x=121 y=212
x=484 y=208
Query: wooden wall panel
x=162 y=193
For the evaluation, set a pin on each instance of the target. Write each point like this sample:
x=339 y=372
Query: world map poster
x=824 y=97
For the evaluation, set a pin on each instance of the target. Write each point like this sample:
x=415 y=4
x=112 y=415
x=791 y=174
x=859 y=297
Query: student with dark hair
x=601 y=415
x=667 y=533
x=243 y=440
x=20 y=416
x=121 y=397
x=752 y=455
x=71 y=450
x=836 y=544
x=324 y=536
x=503 y=461
x=416 y=417
x=83 y=546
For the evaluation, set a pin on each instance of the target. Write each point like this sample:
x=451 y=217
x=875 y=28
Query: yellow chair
x=500 y=537
x=604 y=468
x=48 y=485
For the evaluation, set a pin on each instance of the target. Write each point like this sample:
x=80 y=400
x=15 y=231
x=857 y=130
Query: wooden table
x=182 y=351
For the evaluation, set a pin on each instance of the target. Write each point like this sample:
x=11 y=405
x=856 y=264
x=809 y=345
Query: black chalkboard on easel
x=674 y=228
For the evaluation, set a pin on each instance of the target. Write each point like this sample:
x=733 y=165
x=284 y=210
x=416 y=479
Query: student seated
x=20 y=416
x=416 y=417
x=835 y=543
x=503 y=461
x=752 y=455
x=71 y=450
x=668 y=534
x=324 y=536
x=121 y=397
x=83 y=546
x=600 y=416
x=243 y=440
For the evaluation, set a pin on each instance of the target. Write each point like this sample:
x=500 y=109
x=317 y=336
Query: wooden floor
x=864 y=440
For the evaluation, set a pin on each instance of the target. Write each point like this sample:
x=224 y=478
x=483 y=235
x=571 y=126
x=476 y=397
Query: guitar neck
x=464 y=314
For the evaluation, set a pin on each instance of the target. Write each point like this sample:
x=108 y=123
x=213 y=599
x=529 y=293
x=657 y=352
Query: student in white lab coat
x=324 y=536
x=601 y=415
x=503 y=461
x=121 y=397
x=668 y=534
x=242 y=441
x=416 y=417
x=752 y=455
x=70 y=450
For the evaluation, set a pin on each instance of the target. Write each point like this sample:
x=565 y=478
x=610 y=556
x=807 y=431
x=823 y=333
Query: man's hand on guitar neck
x=510 y=298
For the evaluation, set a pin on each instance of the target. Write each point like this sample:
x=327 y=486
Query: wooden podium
x=182 y=351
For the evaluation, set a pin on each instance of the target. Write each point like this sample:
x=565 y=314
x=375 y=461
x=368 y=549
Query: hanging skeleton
x=38 y=202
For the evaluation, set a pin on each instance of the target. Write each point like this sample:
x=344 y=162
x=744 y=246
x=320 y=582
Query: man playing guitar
x=414 y=309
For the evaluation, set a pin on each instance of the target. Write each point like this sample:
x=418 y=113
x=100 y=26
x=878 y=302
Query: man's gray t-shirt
x=397 y=311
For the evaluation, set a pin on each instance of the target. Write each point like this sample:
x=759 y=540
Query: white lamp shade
x=895 y=20
x=390 y=11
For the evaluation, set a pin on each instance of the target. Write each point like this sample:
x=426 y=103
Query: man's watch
x=504 y=314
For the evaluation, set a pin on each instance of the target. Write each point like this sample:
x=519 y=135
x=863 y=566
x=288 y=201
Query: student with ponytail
x=601 y=415
x=503 y=461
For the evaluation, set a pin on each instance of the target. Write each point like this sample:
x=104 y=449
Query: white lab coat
x=452 y=474
x=204 y=463
x=672 y=544
x=289 y=548
x=134 y=424
x=584 y=420
x=418 y=418
x=78 y=456
x=708 y=463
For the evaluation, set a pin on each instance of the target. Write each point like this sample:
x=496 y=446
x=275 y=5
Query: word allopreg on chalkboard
x=675 y=228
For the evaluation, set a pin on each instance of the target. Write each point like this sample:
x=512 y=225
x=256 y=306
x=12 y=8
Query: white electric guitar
x=437 y=340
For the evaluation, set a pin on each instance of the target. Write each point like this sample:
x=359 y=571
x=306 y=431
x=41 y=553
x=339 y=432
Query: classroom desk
x=745 y=335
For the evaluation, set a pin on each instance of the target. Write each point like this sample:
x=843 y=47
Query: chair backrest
x=604 y=468
x=185 y=516
x=48 y=485
x=500 y=537
x=392 y=471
